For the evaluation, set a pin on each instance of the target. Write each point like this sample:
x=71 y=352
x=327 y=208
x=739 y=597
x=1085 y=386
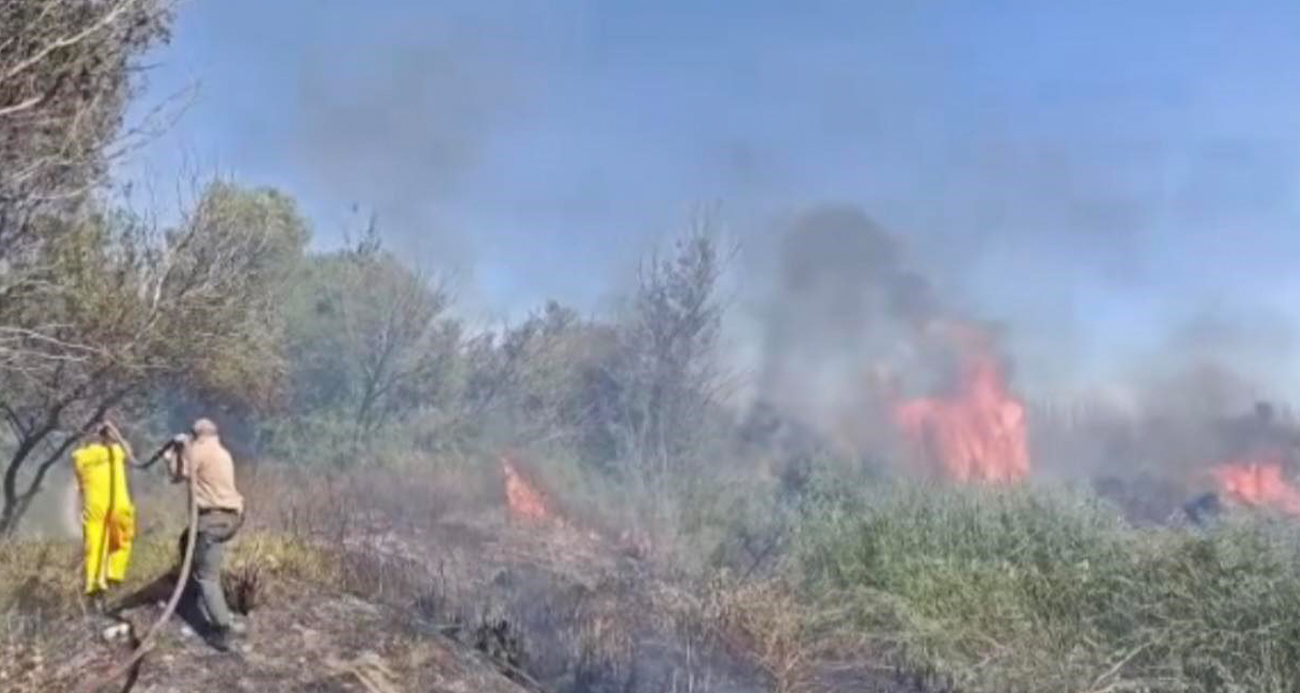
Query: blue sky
x=1096 y=173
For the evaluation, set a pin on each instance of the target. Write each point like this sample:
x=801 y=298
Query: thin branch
x=29 y=103
x=67 y=41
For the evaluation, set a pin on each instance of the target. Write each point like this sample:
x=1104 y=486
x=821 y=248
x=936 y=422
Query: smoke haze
x=1085 y=176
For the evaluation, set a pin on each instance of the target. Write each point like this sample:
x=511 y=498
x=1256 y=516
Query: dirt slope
x=298 y=641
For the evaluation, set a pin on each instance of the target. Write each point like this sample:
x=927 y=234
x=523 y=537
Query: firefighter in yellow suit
x=107 y=514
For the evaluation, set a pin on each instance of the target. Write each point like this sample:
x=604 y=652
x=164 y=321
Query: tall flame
x=976 y=433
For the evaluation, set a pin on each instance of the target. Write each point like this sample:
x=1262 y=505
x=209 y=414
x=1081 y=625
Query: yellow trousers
x=107 y=543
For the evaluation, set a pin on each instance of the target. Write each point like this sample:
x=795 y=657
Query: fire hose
x=96 y=682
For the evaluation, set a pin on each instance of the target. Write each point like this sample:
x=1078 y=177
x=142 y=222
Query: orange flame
x=523 y=501
x=978 y=433
x=1258 y=481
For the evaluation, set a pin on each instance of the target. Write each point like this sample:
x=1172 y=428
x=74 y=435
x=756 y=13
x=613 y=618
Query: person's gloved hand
x=173 y=454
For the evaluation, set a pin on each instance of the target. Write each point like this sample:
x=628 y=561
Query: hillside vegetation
x=686 y=543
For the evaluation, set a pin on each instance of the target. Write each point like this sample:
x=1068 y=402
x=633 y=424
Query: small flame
x=523 y=500
x=977 y=433
x=1258 y=481
x=527 y=503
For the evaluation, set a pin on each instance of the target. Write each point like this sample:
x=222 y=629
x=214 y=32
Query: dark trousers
x=215 y=528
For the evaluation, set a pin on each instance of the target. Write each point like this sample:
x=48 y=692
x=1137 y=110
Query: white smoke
x=70 y=509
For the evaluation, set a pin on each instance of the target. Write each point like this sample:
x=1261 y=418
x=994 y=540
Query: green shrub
x=1046 y=590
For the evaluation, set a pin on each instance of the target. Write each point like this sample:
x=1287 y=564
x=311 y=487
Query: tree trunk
x=16 y=501
x=12 y=511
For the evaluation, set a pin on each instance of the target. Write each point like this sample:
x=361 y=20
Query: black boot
x=219 y=639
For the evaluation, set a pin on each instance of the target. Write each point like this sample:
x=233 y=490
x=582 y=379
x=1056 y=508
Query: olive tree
x=67 y=71
x=120 y=310
x=369 y=343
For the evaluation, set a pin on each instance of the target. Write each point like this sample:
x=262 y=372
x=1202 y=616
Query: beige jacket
x=214 y=473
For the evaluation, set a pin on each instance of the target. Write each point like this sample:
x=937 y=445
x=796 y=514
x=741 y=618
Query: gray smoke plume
x=846 y=307
x=397 y=131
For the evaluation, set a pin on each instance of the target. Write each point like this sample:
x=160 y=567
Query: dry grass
x=764 y=621
x=559 y=607
x=999 y=591
x=42 y=579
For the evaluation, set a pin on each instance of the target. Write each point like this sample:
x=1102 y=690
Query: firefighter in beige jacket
x=221 y=512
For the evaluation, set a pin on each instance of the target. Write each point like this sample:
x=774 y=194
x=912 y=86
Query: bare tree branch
x=113 y=14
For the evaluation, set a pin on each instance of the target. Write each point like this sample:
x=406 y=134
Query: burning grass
x=1258 y=482
x=975 y=432
x=1009 y=590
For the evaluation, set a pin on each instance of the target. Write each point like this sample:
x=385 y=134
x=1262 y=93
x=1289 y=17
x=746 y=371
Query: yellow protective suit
x=107 y=514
